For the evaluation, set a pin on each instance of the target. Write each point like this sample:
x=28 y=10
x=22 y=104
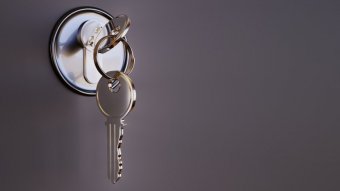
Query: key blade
x=115 y=136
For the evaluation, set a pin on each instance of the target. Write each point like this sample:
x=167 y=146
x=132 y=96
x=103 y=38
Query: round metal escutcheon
x=67 y=52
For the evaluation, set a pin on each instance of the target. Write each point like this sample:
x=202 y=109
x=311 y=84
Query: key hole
x=114 y=86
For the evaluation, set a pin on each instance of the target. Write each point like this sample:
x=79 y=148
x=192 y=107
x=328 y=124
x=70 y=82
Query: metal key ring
x=117 y=29
x=113 y=43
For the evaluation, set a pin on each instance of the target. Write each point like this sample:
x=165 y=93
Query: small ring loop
x=118 y=31
x=115 y=41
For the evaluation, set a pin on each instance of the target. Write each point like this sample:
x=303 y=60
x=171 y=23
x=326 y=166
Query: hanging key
x=115 y=98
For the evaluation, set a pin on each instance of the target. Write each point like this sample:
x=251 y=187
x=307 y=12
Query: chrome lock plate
x=72 y=44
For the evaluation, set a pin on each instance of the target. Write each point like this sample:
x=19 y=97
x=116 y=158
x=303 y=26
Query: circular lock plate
x=67 y=52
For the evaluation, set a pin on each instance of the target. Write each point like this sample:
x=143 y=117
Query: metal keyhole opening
x=72 y=56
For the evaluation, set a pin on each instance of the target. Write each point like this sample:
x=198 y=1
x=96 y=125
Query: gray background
x=232 y=95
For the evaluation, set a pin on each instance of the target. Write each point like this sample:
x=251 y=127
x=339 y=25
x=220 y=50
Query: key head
x=116 y=97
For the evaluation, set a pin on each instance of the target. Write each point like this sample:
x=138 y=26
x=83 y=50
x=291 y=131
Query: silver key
x=115 y=98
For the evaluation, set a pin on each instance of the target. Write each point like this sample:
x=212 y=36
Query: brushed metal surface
x=67 y=53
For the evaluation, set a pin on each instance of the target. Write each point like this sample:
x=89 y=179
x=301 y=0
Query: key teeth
x=119 y=175
x=123 y=123
x=119 y=156
x=114 y=181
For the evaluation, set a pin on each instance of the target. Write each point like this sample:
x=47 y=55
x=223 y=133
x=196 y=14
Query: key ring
x=112 y=44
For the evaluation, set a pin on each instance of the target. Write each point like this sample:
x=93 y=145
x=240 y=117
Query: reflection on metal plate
x=67 y=49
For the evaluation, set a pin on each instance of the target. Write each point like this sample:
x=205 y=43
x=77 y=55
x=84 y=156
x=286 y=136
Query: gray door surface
x=231 y=96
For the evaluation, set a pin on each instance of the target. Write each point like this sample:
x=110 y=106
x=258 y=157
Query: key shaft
x=115 y=140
